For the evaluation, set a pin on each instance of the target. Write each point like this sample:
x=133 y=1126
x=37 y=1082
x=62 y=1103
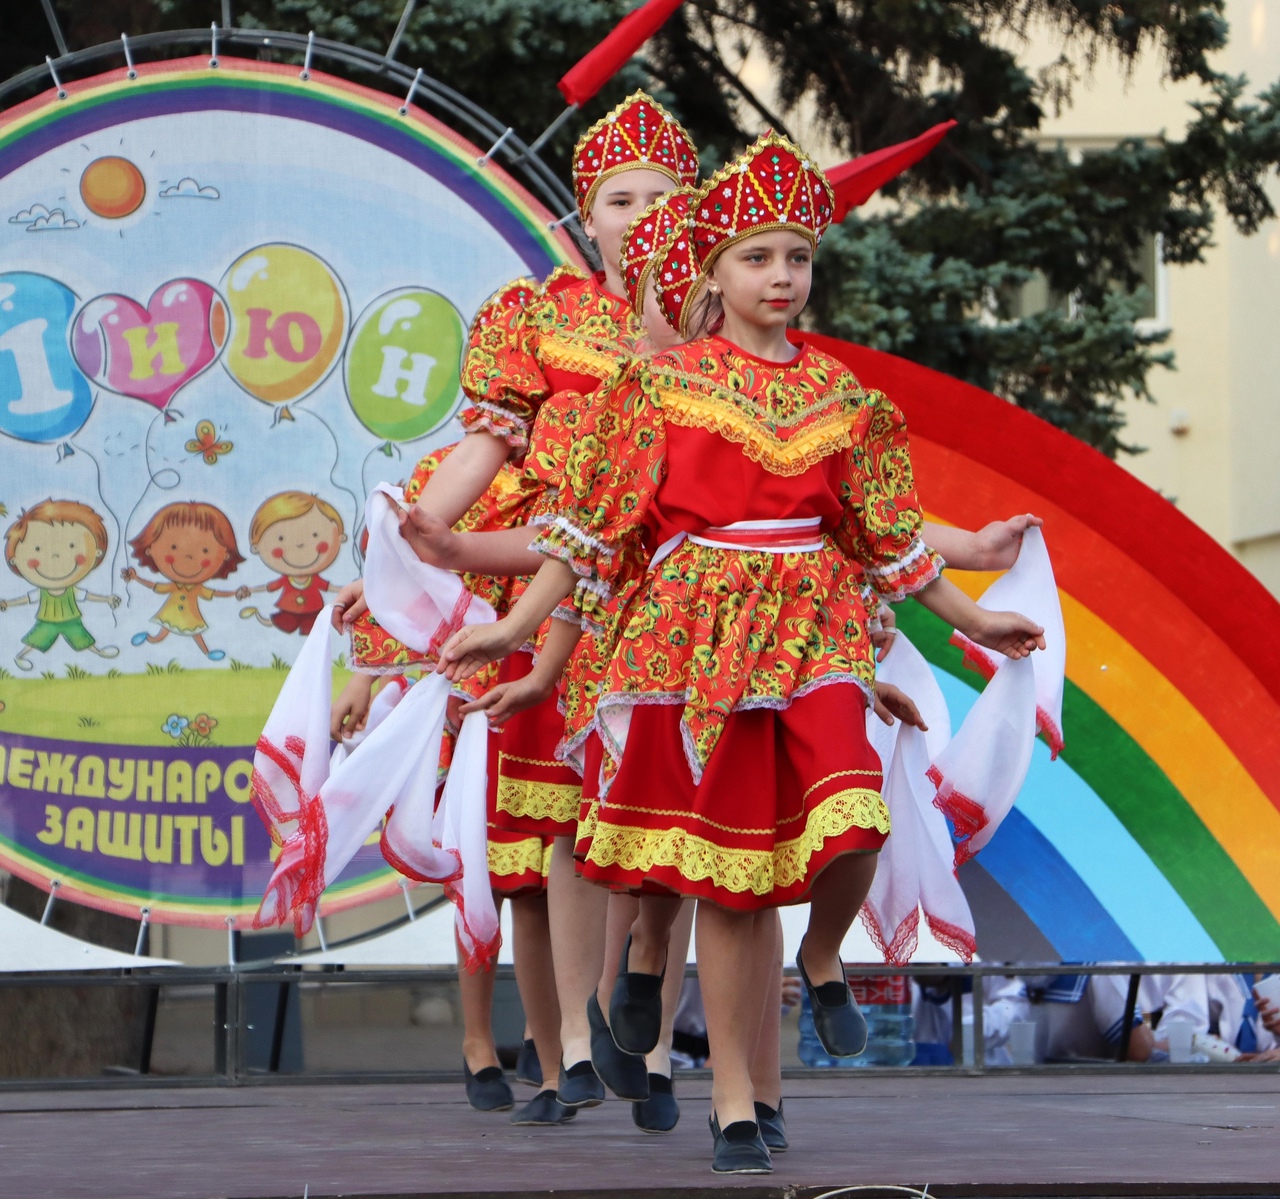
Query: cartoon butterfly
x=206 y=442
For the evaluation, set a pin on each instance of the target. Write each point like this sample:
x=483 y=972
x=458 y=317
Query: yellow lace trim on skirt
x=738 y=870
x=539 y=801
x=510 y=859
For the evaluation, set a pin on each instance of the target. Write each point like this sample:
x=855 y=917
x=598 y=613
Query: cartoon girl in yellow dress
x=189 y=544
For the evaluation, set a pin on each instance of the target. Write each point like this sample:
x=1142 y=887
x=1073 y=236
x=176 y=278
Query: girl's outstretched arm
x=992 y=547
x=463 y=476
x=477 y=645
x=506 y=699
x=1008 y=633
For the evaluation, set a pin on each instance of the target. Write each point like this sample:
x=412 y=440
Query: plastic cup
x=1022 y=1042
x=1180 y=1035
x=1269 y=989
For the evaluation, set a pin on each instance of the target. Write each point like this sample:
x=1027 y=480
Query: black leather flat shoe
x=739 y=1148
x=488 y=1089
x=528 y=1068
x=635 y=1008
x=773 y=1127
x=542 y=1110
x=625 y=1074
x=837 y=1019
x=660 y=1112
x=580 y=1086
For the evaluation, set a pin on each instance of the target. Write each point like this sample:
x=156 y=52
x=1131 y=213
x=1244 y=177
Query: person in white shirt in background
x=1004 y=1001
x=1242 y=1018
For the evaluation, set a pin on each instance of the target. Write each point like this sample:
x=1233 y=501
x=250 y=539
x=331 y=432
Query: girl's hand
x=883 y=640
x=128 y=574
x=999 y=543
x=1008 y=633
x=891 y=701
x=506 y=699
x=432 y=540
x=351 y=709
x=473 y=647
x=1268 y=1014
x=349 y=605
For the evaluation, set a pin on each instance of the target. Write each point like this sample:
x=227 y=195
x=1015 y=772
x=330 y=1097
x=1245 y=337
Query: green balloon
x=403 y=365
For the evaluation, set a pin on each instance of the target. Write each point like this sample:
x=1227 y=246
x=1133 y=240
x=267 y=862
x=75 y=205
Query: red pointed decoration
x=856 y=181
x=595 y=69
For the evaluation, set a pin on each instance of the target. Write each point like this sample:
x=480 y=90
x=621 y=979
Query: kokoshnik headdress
x=772 y=185
x=645 y=241
x=638 y=133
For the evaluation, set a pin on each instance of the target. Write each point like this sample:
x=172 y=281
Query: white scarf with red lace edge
x=980 y=772
x=915 y=870
x=320 y=816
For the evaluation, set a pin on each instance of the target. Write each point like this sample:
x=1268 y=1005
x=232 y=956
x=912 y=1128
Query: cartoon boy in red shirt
x=300 y=535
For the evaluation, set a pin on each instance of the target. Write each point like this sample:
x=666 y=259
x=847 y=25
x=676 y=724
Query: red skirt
x=784 y=794
x=529 y=791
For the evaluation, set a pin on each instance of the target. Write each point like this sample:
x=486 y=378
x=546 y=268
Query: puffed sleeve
x=614 y=464
x=500 y=374
x=881 y=522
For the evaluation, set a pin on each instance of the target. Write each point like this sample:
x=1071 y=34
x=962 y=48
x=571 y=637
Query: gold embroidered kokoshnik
x=734 y=869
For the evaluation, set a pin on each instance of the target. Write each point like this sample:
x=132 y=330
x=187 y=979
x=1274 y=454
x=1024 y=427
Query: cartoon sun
x=112 y=187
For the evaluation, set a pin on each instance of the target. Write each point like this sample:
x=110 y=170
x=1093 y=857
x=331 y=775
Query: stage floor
x=1097 y=1135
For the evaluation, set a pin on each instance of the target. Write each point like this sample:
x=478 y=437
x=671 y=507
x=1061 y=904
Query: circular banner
x=232 y=302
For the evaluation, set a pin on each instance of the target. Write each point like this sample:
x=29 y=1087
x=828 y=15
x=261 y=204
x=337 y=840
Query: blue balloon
x=44 y=396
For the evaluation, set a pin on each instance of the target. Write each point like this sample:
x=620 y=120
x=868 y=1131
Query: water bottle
x=886 y=1004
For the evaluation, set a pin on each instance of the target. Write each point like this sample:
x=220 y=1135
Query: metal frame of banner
x=461 y=114
x=230 y=987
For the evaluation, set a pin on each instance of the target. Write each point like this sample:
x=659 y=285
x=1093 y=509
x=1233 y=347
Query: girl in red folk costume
x=768 y=485
x=572 y=334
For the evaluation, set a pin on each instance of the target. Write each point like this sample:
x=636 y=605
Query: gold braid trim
x=510 y=859
x=539 y=801
x=599 y=360
x=738 y=870
x=828 y=432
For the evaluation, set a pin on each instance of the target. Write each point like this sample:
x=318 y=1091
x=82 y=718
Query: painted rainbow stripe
x=236 y=85
x=240 y=85
x=1161 y=839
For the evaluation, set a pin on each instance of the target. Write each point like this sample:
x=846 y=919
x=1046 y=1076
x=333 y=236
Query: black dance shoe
x=635 y=1008
x=660 y=1112
x=542 y=1110
x=739 y=1149
x=773 y=1127
x=528 y=1068
x=625 y=1074
x=837 y=1019
x=580 y=1086
x=488 y=1089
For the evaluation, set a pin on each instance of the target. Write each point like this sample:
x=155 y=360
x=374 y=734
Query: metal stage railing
x=231 y=989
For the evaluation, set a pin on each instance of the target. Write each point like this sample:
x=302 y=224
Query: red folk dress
x=731 y=713
x=569 y=337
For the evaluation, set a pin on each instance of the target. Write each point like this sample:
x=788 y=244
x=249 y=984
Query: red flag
x=856 y=181
x=595 y=69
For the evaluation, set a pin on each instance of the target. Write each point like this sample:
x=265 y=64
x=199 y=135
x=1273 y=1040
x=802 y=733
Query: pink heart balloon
x=151 y=353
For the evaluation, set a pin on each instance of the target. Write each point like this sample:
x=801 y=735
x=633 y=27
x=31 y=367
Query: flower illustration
x=203 y=725
x=206 y=442
x=175 y=726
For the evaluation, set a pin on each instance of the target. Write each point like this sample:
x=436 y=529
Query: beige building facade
x=1212 y=436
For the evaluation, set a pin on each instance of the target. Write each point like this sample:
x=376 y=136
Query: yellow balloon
x=288 y=321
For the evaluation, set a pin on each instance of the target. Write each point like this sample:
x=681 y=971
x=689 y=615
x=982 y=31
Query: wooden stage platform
x=1153 y=1132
